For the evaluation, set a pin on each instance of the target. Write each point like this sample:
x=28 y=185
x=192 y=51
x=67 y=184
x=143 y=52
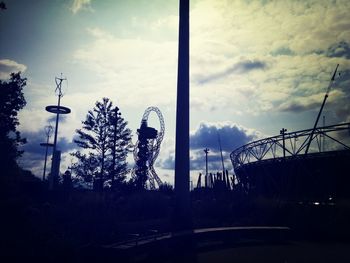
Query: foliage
x=106 y=141
x=11 y=102
x=86 y=167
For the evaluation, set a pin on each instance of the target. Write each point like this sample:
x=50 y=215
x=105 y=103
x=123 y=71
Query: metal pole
x=323 y=136
x=284 y=145
x=182 y=156
x=319 y=113
x=48 y=132
x=206 y=150
x=60 y=94
x=46 y=150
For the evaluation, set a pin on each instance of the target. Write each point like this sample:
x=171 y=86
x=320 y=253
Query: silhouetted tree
x=120 y=145
x=86 y=167
x=11 y=102
x=107 y=140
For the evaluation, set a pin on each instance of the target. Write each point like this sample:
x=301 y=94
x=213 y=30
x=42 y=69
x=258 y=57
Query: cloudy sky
x=256 y=66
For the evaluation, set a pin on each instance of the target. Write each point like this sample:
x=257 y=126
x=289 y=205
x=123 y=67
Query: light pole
x=282 y=132
x=57 y=109
x=206 y=150
x=48 y=132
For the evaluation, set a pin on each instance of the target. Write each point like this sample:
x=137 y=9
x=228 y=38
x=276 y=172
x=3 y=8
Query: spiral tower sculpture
x=147 y=150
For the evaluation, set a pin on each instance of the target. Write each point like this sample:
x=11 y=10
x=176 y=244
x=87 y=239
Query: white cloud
x=8 y=66
x=137 y=70
x=299 y=42
x=293 y=38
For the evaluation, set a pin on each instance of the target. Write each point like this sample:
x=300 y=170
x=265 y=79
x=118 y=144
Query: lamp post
x=206 y=150
x=48 y=132
x=56 y=109
x=282 y=132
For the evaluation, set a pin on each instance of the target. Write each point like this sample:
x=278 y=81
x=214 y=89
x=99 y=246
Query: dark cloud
x=34 y=162
x=33 y=142
x=239 y=68
x=339 y=105
x=34 y=154
x=296 y=106
x=231 y=135
x=341 y=49
x=282 y=51
x=197 y=161
x=168 y=163
x=35 y=138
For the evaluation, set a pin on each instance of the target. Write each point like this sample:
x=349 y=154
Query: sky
x=255 y=67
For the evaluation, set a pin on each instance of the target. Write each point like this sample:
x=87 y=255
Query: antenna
x=319 y=113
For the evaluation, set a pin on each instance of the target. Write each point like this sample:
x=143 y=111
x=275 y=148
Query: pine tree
x=107 y=141
x=120 y=145
x=86 y=167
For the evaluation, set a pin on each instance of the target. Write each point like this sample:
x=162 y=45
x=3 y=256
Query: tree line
x=104 y=140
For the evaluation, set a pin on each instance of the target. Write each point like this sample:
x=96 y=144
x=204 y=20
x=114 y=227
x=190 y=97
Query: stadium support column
x=182 y=220
x=283 y=132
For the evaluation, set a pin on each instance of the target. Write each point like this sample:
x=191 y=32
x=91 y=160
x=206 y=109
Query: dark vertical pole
x=323 y=136
x=282 y=132
x=54 y=173
x=206 y=150
x=182 y=156
x=47 y=148
x=319 y=113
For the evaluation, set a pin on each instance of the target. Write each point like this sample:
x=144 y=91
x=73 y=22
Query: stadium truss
x=274 y=164
x=294 y=144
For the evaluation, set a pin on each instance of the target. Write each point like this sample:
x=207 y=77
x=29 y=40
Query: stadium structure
x=306 y=165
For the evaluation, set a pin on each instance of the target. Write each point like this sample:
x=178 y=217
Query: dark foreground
x=126 y=226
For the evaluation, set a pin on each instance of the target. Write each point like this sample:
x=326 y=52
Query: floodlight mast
x=319 y=113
